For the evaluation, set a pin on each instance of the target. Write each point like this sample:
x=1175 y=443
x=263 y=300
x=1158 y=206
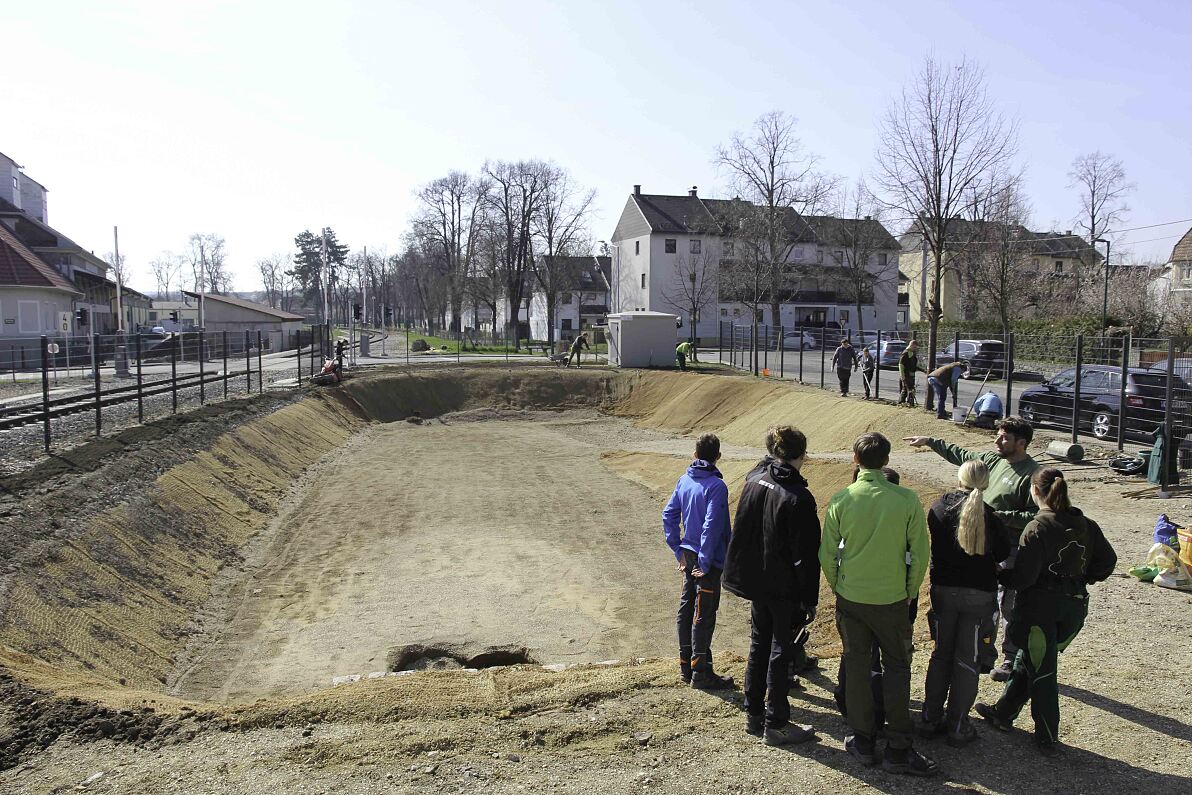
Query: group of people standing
x=1007 y=540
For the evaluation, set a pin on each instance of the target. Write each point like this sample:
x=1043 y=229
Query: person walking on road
x=683 y=352
x=771 y=562
x=967 y=541
x=580 y=342
x=1062 y=553
x=908 y=366
x=695 y=524
x=942 y=379
x=1009 y=494
x=844 y=359
x=868 y=367
x=874 y=553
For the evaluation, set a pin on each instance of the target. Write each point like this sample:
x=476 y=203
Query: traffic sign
x=52 y=347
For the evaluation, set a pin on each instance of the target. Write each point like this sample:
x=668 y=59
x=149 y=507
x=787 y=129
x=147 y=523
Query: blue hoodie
x=700 y=502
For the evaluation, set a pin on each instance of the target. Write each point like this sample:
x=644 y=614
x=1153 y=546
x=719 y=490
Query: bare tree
x=450 y=209
x=515 y=200
x=207 y=258
x=869 y=261
x=994 y=263
x=119 y=268
x=694 y=288
x=769 y=168
x=935 y=142
x=273 y=276
x=166 y=269
x=560 y=234
x=1103 y=188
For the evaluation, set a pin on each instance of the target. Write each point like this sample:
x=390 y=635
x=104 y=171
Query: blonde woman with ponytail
x=967 y=541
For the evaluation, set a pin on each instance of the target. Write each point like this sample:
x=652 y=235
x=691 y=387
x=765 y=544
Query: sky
x=257 y=120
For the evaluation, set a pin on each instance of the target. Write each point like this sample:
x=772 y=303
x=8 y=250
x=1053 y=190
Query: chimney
x=691 y=192
x=637 y=190
x=869 y=218
x=1068 y=233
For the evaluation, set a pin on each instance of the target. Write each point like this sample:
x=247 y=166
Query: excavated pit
x=267 y=550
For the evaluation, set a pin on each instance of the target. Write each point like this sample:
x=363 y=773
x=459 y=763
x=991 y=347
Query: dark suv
x=1100 y=400
x=984 y=357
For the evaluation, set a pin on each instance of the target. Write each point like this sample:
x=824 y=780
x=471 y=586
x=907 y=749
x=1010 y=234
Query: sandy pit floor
x=457 y=534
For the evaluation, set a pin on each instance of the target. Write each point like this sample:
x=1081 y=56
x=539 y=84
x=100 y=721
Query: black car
x=984 y=357
x=1101 y=404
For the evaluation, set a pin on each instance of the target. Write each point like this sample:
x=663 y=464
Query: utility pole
x=326 y=283
x=202 y=283
x=365 y=298
x=119 y=282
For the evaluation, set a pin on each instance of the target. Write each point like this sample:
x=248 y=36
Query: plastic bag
x=1172 y=571
x=1166 y=532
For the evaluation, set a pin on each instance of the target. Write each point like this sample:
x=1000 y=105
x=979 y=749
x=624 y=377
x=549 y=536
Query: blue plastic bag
x=1165 y=532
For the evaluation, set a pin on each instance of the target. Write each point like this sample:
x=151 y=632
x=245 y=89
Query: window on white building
x=637 y=246
x=696 y=246
x=838 y=257
x=843 y=315
x=1059 y=266
x=901 y=317
x=881 y=259
x=723 y=312
x=643 y=281
x=798 y=254
x=819 y=256
x=566 y=298
x=670 y=245
x=566 y=324
x=736 y=311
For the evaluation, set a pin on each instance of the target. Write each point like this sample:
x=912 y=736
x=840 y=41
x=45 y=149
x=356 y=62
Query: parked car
x=791 y=340
x=984 y=357
x=891 y=351
x=1100 y=401
x=1181 y=366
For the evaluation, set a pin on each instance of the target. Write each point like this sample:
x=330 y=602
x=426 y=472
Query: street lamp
x=1105 y=295
x=616 y=273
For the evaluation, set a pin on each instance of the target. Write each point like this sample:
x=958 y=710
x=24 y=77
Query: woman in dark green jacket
x=1061 y=552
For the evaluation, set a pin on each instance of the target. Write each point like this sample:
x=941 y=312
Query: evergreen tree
x=308 y=263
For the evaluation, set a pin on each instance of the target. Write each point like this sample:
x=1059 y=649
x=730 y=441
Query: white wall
x=31 y=312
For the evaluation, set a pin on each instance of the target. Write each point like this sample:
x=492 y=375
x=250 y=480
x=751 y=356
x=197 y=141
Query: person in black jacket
x=868 y=368
x=772 y=562
x=1061 y=552
x=967 y=541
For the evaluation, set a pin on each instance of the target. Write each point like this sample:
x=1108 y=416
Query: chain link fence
x=1117 y=390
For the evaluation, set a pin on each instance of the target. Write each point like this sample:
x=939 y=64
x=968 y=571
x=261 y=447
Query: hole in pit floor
x=438 y=657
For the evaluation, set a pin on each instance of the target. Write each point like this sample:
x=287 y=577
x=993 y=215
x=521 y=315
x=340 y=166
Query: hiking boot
x=790 y=734
x=1002 y=672
x=755 y=725
x=711 y=681
x=685 y=671
x=861 y=747
x=993 y=719
x=908 y=762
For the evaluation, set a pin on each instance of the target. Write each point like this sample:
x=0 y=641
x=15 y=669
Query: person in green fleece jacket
x=874 y=553
x=1009 y=495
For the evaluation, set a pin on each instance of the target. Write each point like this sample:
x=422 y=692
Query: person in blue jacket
x=695 y=523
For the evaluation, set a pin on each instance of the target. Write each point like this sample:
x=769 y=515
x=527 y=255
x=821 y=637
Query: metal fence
x=1116 y=390
x=48 y=381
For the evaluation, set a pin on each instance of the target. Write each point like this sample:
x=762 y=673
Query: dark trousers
x=1044 y=624
x=961 y=621
x=573 y=355
x=906 y=390
x=1004 y=610
x=875 y=687
x=767 y=674
x=867 y=381
x=698 y=603
x=888 y=627
x=682 y=360
x=844 y=374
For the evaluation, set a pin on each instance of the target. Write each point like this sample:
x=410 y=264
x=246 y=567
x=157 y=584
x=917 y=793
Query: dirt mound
x=392 y=395
x=740 y=409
